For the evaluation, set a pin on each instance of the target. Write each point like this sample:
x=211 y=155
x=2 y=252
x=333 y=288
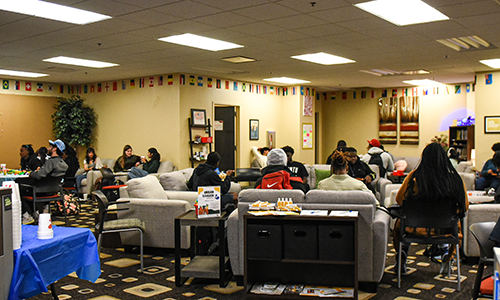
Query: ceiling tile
x=322 y=30
x=224 y=20
x=150 y=17
x=269 y=11
x=296 y=22
x=187 y=9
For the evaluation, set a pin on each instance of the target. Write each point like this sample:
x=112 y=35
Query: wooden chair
x=119 y=225
x=440 y=216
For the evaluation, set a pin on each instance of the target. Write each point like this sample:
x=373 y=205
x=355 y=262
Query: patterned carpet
x=121 y=277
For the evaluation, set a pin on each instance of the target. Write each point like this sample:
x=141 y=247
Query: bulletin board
x=307 y=136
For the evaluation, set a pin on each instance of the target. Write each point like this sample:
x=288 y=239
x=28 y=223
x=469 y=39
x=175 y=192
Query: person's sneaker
x=27 y=219
x=491 y=192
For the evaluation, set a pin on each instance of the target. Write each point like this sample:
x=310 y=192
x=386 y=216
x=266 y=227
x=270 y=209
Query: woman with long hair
x=29 y=162
x=42 y=154
x=148 y=166
x=91 y=162
x=434 y=179
x=127 y=160
x=340 y=180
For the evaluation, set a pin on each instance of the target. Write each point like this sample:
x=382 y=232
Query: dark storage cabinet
x=308 y=250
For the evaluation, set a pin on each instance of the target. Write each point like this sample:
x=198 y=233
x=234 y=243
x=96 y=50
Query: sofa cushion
x=165 y=167
x=173 y=181
x=321 y=174
x=188 y=172
x=147 y=187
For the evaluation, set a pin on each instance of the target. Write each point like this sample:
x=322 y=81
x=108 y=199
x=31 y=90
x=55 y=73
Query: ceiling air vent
x=467 y=43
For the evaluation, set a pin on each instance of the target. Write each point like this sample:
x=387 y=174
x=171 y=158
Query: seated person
x=454 y=157
x=148 y=167
x=69 y=157
x=53 y=167
x=297 y=169
x=42 y=154
x=340 y=181
x=205 y=175
x=377 y=156
x=276 y=161
x=91 y=162
x=341 y=145
x=359 y=169
x=29 y=161
x=260 y=155
x=127 y=160
x=489 y=174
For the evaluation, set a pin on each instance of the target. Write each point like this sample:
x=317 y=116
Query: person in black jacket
x=29 y=161
x=205 y=175
x=276 y=161
x=359 y=169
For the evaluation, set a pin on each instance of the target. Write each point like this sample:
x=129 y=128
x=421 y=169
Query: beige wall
x=486 y=105
x=24 y=120
x=356 y=120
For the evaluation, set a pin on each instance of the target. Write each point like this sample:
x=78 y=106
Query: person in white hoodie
x=377 y=156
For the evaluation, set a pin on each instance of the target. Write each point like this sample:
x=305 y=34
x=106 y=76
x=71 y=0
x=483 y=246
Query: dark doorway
x=225 y=138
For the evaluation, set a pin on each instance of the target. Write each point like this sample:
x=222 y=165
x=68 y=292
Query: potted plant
x=73 y=121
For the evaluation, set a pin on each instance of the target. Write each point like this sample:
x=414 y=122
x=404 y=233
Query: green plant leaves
x=74 y=122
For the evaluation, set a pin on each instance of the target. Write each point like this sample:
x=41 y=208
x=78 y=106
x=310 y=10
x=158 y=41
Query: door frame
x=236 y=129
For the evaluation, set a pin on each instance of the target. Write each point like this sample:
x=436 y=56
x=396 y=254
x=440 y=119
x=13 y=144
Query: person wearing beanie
x=490 y=178
x=276 y=161
x=205 y=175
x=374 y=150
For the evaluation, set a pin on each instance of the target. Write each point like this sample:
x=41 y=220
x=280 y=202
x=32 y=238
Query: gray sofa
x=477 y=213
x=373 y=225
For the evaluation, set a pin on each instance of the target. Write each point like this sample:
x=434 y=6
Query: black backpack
x=376 y=159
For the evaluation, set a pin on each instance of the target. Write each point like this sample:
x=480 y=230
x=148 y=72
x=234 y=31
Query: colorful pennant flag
x=151 y=81
x=218 y=83
x=344 y=95
x=160 y=80
x=467 y=87
x=227 y=84
x=243 y=87
x=489 y=79
x=39 y=87
x=132 y=83
x=5 y=84
x=200 y=81
x=115 y=85
x=170 y=79
x=384 y=93
x=99 y=87
x=333 y=96
x=141 y=82
x=182 y=79
x=191 y=79
x=124 y=84
x=209 y=82
x=92 y=88
x=294 y=90
x=235 y=86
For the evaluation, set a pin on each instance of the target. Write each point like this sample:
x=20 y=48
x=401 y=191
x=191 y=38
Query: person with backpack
x=340 y=180
x=377 y=156
x=277 y=175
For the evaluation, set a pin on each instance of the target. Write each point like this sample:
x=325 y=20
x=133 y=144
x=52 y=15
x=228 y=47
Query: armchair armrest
x=380 y=238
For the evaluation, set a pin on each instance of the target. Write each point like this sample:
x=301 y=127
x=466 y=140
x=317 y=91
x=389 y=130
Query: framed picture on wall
x=492 y=124
x=271 y=139
x=198 y=117
x=254 y=129
x=307 y=135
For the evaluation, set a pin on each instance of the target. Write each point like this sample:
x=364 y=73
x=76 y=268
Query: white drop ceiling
x=271 y=30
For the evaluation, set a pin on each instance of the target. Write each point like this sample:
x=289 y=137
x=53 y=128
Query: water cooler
x=6 y=248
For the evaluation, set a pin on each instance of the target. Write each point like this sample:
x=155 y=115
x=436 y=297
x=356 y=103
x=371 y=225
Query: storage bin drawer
x=336 y=242
x=300 y=241
x=264 y=241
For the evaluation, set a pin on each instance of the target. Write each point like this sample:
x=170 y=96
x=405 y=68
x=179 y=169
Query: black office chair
x=481 y=231
x=131 y=224
x=46 y=190
x=439 y=216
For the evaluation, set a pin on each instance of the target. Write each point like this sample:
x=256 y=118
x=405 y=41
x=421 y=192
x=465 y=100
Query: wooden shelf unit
x=462 y=139
x=205 y=131
x=272 y=254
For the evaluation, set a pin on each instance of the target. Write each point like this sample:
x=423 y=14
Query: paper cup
x=85 y=196
x=45 y=230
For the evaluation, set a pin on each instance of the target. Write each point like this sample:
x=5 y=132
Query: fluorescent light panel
x=324 y=58
x=22 y=73
x=238 y=59
x=286 y=80
x=493 y=63
x=403 y=12
x=464 y=42
x=52 y=11
x=201 y=42
x=422 y=82
x=80 y=62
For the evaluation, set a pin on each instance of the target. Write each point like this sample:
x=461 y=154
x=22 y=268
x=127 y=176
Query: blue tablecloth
x=39 y=263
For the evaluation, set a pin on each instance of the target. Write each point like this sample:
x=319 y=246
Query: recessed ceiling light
x=80 y=62
x=416 y=72
x=421 y=82
x=52 y=11
x=238 y=59
x=493 y=63
x=403 y=12
x=286 y=80
x=21 y=73
x=201 y=42
x=323 y=58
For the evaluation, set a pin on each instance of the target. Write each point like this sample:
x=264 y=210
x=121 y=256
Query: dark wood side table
x=202 y=266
